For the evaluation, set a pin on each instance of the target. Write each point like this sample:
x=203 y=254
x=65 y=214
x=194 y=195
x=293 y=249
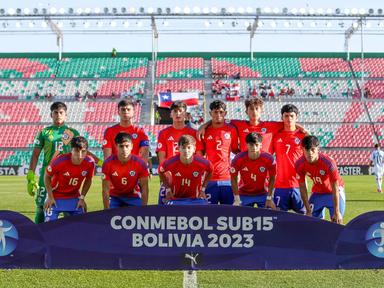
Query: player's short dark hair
x=253 y=138
x=377 y=145
x=217 y=104
x=310 y=141
x=178 y=105
x=289 y=108
x=256 y=101
x=58 y=105
x=79 y=142
x=124 y=103
x=186 y=140
x=123 y=137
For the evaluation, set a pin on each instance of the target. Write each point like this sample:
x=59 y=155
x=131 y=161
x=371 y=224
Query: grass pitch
x=361 y=197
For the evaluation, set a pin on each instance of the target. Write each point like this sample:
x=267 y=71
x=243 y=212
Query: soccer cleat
x=379 y=191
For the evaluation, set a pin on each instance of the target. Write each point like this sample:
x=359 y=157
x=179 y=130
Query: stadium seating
x=349 y=157
x=102 y=67
x=18 y=136
x=179 y=86
x=171 y=67
x=27 y=67
x=16 y=112
x=374 y=89
x=372 y=67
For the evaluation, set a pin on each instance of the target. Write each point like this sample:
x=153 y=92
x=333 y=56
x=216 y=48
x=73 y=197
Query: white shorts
x=378 y=172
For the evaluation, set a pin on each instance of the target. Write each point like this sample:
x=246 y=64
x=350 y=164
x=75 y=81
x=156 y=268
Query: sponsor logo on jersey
x=83 y=173
x=115 y=173
x=322 y=172
x=262 y=169
x=132 y=173
x=178 y=174
x=66 y=174
x=245 y=169
x=279 y=140
x=297 y=141
x=134 y=135
x=246 y=130
x=209 y=137
x=170 y=138
x=195 y=174
x=227 y=136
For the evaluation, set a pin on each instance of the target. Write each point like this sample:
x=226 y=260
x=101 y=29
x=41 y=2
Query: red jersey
x=266 y=129
x=139 y=138
x=168 y=139
x=186 y=179
x=124 y=176
x=287 y=147
x=67 y=177
x=253 y=173
x=218 y=144
x=323 y=173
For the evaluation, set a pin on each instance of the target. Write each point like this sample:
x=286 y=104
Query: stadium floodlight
x=285 y=10
x=132 y=10
x=141 y=10
x=106 y=10
x=168 y=10
x=123 y=10
x=18 y=24
x=294 y=11
x=337 y=11
x=258 y=11
x=207 y=24
x=177 y=9
x=159 y=11
x=114 y=10
x=249 y=10
x=362 y=11
x=355 y=25
x=240 y=10
x=273 y=24
x=79 y=11
x=126 y=24
x=196 y=9
x=26 y=11
x=214 y=10
x=61 y=10
x=380 y=11
x=354 y=11
x=113 y=23
x=44 y=11
x=223 y=11
x=44 y=24
x=329 y=11
x=276 y=10
x=87 y=10
x=311 y=11
x=302 y=10
x=150 y=10
x=347 y=11
x=35 y=11
x=70 y=10
x=187 y=10
x=97 y=10
x=18 y=11
x=231 y=10
x=11 y=11
x=371 y=11
x=320 y=11
x=2 y=11
x=100 y=24
x=267 y=10
x=206 y=10
x=53 y=10
x=139 y=24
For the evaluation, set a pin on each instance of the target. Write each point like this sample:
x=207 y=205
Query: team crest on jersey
x=263 y=130
x=178 y=174
x=65 y=136
x=103 y=176
x=105 y=142
x=83 y=173
x=49 y=168
x=262 y=169
x=227 y=136
x=322 y=172
x=159 y=145
x=297 y=141
x=161 y=169
x=227 y=121
x=115 y=174
x=37 y=142
x=132 y=173
x=232 y=170
x=134 y=135
x=195 y=174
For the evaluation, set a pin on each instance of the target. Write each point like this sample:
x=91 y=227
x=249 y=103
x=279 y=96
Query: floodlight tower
x=59 y=35
x=252 y=30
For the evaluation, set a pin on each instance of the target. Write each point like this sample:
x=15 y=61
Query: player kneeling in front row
x=254 y=167
x=186 y=175
x=63 y=179
x=328 y=187
x=122 y=173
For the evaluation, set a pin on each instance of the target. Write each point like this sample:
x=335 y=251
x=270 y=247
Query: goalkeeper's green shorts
x=41 y=192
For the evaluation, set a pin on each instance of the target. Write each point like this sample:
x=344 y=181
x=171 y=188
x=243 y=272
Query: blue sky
x=224 y=42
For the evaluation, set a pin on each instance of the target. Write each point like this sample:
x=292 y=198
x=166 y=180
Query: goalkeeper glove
x=100 y=163
x=32 y=185
x=237 y=201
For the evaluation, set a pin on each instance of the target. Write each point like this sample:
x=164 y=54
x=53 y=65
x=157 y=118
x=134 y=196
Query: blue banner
x=191 y=237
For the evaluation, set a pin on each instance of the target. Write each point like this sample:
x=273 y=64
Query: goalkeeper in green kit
x=54 y=140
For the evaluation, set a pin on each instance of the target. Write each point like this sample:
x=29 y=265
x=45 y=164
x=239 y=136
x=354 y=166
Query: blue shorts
x=116 y=202
x=67 y=206
x=219 y=192
x=289 y=199
x=319 y=202
x=187 y=201
x=259 y=200
x=161 y=200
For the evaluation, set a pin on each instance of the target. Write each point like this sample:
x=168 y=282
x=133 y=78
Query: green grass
x=361 y=197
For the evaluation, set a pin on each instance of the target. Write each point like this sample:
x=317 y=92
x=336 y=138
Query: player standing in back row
x=377 y=160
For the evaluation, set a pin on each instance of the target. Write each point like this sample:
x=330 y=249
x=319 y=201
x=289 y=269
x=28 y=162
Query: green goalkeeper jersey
x=54 y=140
